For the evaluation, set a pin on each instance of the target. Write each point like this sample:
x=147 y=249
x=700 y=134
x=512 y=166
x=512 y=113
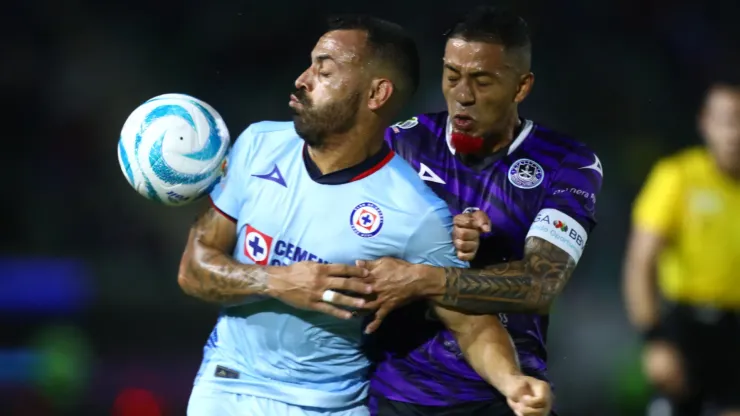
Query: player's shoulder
x=272 y=127
x=404 y=176
x=278 y=130
x=418 y=128
x=693 y=162
x=435 y=123
x=267 y=134
x=559 y=152
x=568 y=146
x=690 y=157
x=411 y=193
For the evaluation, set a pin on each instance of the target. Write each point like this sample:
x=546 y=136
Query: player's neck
x=339 y=153
x=505 y=137
x=727 y=167
x=733 y=173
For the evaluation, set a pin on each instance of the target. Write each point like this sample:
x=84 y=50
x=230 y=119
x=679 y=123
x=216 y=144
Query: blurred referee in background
x=682 y=272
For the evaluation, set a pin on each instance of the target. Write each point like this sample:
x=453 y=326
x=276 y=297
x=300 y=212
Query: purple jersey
x=544 y=184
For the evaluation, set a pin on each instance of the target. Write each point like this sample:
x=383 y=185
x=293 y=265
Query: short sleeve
x=568 y=213
x=655 y=207
x=404 y=136
x=431 y=243
x=228 y=194
x=575 y=187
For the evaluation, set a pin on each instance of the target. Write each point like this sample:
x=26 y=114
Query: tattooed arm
x=207 y=270
x=554 y=243
x=529 y=285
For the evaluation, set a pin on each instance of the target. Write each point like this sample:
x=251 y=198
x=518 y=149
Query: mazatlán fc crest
x=526 y=174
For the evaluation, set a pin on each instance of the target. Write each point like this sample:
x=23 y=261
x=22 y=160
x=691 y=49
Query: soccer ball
x=173 y=148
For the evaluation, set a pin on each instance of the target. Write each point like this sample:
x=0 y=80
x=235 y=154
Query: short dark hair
x=494 y=25
x=389 y=43
x=726 y=77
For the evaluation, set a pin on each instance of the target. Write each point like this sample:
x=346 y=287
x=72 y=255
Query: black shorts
x=709 y=342
x=387 y=407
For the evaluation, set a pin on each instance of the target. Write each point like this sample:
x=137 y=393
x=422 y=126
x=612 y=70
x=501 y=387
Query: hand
x=394 y=282
x=663 y=366
x=466 y=233
x=304 y=284
x=528 y=396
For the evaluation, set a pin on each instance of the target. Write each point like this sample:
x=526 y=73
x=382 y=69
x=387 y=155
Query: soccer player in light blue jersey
x=301 y=201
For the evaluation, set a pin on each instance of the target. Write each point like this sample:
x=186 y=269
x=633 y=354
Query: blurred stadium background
x=91 y=318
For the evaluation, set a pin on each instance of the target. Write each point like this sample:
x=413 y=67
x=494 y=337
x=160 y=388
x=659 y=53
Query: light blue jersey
x=287 y=212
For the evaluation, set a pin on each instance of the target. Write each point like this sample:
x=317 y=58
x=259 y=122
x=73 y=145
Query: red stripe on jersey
x=375 y=168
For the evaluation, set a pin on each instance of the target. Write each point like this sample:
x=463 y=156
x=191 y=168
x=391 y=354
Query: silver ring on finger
x=328 y=296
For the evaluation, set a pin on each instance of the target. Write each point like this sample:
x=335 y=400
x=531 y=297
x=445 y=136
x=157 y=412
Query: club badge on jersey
x=526 y=174
x=366 y=220
x=545 y=186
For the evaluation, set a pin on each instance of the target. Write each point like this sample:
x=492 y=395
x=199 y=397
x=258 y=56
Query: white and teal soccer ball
x=172 y=149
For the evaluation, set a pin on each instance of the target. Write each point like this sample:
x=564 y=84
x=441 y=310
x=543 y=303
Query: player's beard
x=313 y=124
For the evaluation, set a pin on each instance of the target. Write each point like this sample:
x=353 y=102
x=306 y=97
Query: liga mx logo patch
x=405 y=125
x=526 y=174
x=257 y=245
x=224 y=167
x=366 y=220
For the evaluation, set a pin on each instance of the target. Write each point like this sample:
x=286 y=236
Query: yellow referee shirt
x=688 y=201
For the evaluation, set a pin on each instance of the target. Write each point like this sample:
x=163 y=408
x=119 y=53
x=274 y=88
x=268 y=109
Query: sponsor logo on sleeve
x=560 y=230
x=589 y=197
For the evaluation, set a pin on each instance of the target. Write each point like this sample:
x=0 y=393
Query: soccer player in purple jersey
x=361 y=72
x=537 y=189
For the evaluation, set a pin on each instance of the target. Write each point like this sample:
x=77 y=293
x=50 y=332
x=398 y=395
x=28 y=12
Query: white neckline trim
x=527 y=127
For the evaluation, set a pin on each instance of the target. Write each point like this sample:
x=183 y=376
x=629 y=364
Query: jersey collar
x=353 y=173
x=527 y=126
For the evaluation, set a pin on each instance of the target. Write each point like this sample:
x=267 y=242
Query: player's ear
x=526 y=82
x=381 y=90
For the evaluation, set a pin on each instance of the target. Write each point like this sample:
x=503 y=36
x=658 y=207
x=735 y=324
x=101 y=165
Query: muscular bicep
x=548 y=264
x=643 y=248
x=206 y=262
x=211 y=231
x=214 y=229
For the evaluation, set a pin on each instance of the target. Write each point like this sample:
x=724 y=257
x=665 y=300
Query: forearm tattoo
x=529 y=285
x=212 y=274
